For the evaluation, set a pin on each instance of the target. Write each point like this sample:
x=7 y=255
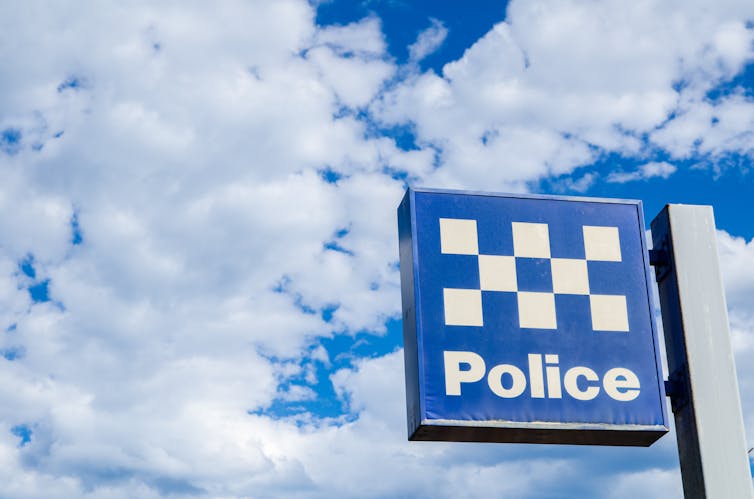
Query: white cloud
x=350 y=61
x=649 y=483
x=190 y=139
x=428 y=41
x=363 y=38
x=580 y=184
x=737 y=267
x=737 y=264
x=646 y=171
x=190 y=151
x=714 y=129
x=555 y=83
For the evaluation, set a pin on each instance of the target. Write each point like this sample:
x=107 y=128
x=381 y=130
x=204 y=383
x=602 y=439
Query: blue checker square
x=534 y=274
x=528 y=319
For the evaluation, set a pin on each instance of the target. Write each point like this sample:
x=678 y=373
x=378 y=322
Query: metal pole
x=702 y=385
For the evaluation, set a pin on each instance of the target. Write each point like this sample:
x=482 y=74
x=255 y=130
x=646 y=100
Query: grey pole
x=702 y=385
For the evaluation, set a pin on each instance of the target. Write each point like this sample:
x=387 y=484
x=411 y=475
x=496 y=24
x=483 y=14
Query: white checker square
x=531 y=240
x=609 y=313
x=602 y=243
x=497 y=273
x=458 y=236
x=463 y=307
x=569 y=276
x=536 y=310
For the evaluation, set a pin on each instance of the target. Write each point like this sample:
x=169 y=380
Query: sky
x=199 y=286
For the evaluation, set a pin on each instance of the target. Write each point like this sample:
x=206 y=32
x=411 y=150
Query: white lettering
x=621 y=384
x=495 y=381
x=571 y=383
x=535 y=376
x=553 y=377
x=454 y=376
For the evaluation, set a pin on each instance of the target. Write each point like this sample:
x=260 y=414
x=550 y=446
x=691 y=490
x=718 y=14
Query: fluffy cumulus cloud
x=196 y=198
x=167 y=185
x=559 y=84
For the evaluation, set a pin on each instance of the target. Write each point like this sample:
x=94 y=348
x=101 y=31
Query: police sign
x=528 y=319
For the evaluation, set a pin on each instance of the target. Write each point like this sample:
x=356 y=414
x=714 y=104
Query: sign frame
x=424 y=427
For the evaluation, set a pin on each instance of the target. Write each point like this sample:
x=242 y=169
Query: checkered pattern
x=536 y=309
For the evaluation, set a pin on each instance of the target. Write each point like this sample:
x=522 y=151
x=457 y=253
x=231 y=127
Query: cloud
x=540 y=95
x=580 y=184
x=428 y=41
x=653 y=482
x=646 y=171
x=190 y=164
x=736 y=262
x=210 y=194
x=715 y=129
x=350 y=61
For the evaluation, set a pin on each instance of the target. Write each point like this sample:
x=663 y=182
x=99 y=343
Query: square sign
x=528 y=319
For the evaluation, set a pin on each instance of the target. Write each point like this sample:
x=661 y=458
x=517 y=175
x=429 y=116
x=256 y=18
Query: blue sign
x=528 y=319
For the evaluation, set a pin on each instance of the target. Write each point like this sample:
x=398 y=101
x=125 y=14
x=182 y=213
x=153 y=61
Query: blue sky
x=199 y=290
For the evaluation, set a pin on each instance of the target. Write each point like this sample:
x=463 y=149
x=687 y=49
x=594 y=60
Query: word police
x=580 y=382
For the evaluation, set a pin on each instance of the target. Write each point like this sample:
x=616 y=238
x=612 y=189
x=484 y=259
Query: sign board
x=528 y=319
